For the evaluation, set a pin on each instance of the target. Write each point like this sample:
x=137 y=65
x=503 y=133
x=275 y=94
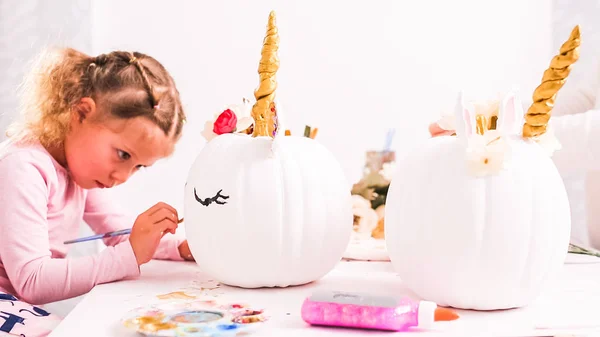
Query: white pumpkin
x=465 y=237
x=263 y=212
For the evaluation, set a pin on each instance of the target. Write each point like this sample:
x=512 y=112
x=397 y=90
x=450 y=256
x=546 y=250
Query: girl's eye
x=123 y=155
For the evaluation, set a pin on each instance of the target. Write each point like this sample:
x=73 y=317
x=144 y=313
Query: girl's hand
x=184 y=251
x=149 y=228
x=435 y=130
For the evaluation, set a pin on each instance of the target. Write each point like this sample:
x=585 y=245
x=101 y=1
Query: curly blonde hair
x=126 y=84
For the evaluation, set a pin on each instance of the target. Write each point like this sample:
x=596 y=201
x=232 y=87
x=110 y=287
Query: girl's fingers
x=165 y=226
x=162 y=205
x=164 y=215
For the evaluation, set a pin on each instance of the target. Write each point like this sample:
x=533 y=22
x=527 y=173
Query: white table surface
x=570 y=305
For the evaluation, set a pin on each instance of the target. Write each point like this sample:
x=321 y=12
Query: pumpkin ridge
x=282 y=219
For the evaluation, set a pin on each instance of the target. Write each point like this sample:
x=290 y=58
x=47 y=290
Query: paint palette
x=194 y=319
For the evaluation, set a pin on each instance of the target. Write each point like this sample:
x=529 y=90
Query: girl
x=89 y=123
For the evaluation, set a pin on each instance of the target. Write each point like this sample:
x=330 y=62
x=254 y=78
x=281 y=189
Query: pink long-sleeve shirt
x=40 y=208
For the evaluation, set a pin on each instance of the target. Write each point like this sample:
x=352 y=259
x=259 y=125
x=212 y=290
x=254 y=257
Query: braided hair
x=124 y=84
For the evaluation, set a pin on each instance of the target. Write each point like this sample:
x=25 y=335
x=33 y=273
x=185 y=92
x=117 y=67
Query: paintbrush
x=388 y=140
x=105 y=235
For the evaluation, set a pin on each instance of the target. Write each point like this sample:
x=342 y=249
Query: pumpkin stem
x=264 y=111
x=538 y=115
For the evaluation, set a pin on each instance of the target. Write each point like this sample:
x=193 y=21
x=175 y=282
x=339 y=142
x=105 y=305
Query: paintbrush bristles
x=538 y=114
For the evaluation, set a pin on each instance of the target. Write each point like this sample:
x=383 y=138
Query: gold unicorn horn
x=538 y=115
x=264 y=111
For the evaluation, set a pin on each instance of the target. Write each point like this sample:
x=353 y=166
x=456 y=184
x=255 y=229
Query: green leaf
x=574 y=249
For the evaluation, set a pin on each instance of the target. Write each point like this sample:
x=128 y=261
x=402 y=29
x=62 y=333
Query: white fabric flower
x=207 y=132
x=549 y=142
x=487 y=154
x=243 y=113
x=368 y=218
x=387 y=170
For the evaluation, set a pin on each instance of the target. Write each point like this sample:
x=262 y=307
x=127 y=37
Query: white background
x=351 y=68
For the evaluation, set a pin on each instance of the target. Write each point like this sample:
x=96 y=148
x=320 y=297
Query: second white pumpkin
x=477 y=242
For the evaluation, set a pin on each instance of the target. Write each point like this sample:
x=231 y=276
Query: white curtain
x=27 y=26
x=584 y=190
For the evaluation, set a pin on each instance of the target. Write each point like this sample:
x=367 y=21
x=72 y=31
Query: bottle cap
x=429 y=312
x=426 y=314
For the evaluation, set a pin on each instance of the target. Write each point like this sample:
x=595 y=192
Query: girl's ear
x=85 y=109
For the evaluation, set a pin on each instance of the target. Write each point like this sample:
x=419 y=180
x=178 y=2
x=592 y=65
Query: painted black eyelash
x=215 y=199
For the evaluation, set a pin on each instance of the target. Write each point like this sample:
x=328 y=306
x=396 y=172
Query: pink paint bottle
x=351 y=310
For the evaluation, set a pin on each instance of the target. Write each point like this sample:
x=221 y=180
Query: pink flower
x=243 y=121
x=225 y=123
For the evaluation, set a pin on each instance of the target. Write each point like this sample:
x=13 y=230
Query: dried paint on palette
x=176 y=295
x=194 y=318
